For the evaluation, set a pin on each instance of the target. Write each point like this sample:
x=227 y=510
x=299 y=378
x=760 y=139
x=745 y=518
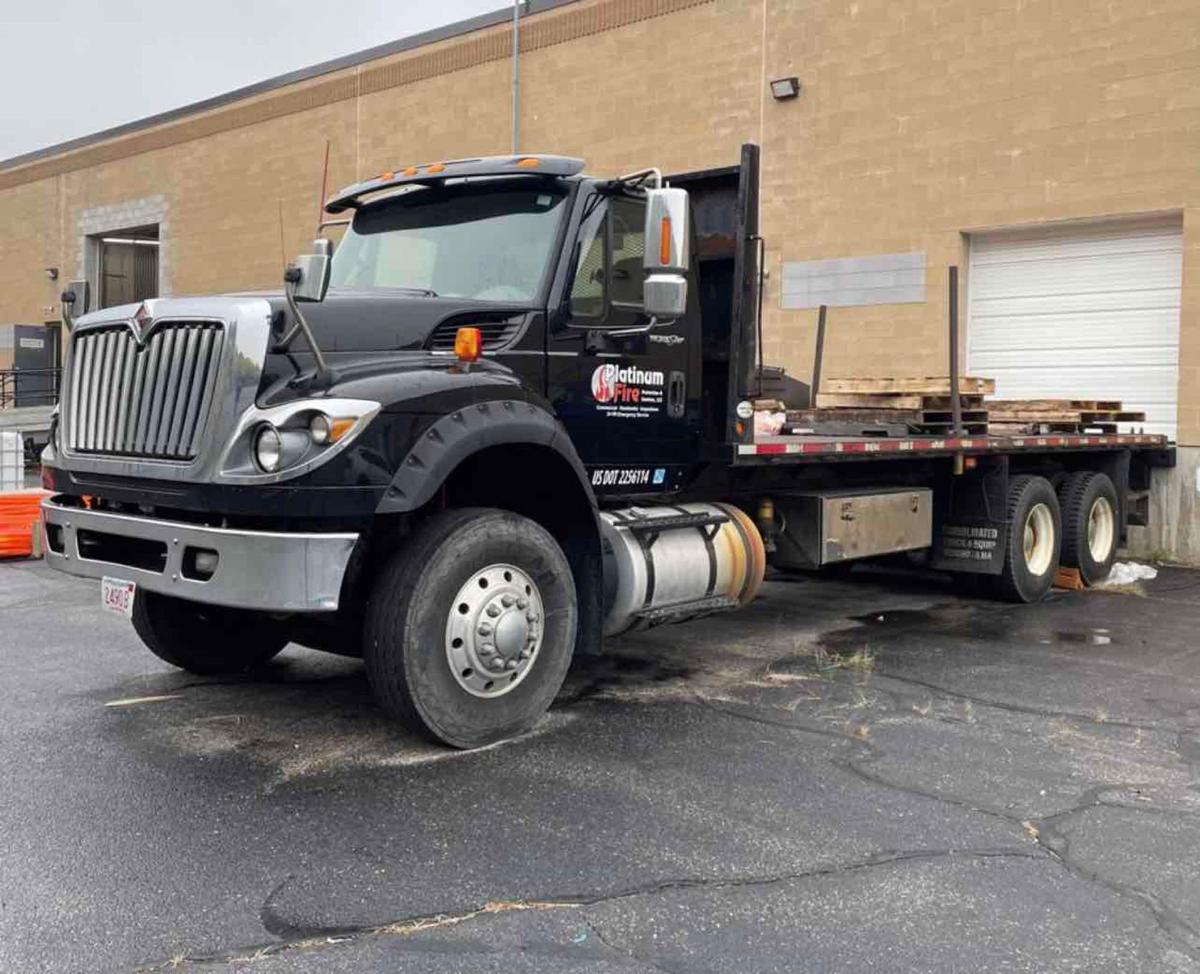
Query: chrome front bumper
x=262 y=570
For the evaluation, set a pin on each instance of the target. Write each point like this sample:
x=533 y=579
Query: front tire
x=207 y=640
x=471 y=626
x=1034 y=544
x=1090 y=525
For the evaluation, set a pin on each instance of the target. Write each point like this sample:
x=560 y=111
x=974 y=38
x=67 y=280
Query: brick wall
x=919 y=120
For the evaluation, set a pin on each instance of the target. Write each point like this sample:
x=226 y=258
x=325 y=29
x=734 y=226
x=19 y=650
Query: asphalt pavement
x=864 y=774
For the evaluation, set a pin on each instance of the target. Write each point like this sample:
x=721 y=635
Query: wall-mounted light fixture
x=51 y=273
x=784 y=88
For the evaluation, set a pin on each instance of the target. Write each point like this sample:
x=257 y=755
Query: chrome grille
x=145 y=400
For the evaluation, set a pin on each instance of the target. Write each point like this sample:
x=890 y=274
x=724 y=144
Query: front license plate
x=116 y=595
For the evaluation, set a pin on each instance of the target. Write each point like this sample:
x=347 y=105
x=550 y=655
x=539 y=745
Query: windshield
x=480 y=242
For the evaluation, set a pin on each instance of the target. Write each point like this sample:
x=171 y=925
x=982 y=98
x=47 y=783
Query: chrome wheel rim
x=1039 y=539
x=494 y=630
x=1101 y=529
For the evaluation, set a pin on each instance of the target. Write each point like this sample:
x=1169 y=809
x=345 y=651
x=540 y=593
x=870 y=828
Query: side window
x=607 y=286
x=628 y=252
x=588 y=287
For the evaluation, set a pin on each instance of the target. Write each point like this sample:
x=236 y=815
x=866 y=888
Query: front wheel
x=208 y=640
x=1031 y=555
x=471 y=626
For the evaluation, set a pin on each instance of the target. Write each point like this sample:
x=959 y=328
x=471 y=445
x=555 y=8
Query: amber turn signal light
x=468 y=344
x=664 y=242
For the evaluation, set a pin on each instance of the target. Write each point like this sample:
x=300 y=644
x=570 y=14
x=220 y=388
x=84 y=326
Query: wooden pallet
x=1057 y=405
x=887 y=400
x=933 y=385
x=1008 y=428
x=938 y=422
x=1032 y=416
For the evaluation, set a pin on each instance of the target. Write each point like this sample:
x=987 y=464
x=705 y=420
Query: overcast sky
x=72 y=67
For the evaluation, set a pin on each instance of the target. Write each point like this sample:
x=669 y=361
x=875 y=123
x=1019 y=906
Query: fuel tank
x=671 y=563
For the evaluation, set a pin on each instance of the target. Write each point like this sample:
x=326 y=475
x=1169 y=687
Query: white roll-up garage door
x=1080 y=313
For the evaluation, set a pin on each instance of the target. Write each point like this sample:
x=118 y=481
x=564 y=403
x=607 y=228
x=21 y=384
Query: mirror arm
x=68 y=307
x=645 y=329
x=291 y=277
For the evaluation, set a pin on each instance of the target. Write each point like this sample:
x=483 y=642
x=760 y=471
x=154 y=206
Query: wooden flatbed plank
x=1057 y=405
x=847 y=413
x=1112 y=416
x=945 y=415
x=860 y=400
x=1021 y=416
x=926 y=385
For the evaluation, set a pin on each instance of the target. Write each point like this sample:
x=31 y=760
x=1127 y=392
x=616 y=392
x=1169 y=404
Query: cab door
x=626 y=388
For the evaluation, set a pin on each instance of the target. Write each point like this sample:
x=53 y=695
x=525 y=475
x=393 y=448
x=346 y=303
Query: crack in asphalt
x=1056 y=845
x=1182 y=932
x=303 y=937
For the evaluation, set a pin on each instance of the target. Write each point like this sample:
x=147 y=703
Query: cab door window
x=606 y=289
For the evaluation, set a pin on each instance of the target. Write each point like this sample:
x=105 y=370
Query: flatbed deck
x=803 y=446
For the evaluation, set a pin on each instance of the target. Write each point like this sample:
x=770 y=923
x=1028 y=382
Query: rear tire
x=1034 y=542
x=471 y=626
x=207 y=640
x=1090 y=525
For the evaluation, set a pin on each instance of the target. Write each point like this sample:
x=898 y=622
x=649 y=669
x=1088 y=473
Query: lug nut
x=507 y=601
x=485 y=629
x=522 y=603
x=493 y=611
x=487 y=649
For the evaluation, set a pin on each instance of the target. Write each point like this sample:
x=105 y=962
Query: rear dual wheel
x=1090 y=524
x=1034 y=543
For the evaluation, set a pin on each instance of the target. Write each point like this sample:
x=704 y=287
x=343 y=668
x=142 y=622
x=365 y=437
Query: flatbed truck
x=513 y=415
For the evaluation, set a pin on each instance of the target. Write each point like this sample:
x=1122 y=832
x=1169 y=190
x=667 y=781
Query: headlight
x=289 y=439
x=268 y=448
x=320 y=428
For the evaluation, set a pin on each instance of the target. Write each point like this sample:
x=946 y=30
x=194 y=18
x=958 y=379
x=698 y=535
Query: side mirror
x=668 y=233
x=308 y=276
x=75 y=301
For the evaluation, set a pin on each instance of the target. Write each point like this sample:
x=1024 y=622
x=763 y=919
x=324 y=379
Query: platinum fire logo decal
x=627 y=391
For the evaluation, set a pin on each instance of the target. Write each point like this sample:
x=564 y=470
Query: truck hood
x=387 y=320
x=378 y=320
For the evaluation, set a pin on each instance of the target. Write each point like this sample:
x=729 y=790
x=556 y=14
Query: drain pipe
x=516 y=75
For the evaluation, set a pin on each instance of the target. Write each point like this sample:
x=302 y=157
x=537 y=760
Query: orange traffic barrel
x=19 y=517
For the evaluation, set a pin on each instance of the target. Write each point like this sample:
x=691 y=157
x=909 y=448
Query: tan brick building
x=1050 y=148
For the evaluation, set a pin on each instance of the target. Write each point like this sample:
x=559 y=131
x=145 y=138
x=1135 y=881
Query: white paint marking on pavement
x=134 y=701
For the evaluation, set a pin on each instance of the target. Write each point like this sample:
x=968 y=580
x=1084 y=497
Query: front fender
x=453 y=438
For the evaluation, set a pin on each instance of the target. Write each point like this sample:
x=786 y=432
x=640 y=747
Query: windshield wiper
x=416 y=290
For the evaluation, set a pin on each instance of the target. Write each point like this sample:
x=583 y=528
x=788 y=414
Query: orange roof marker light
x=357 y=194
x=468 y=344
